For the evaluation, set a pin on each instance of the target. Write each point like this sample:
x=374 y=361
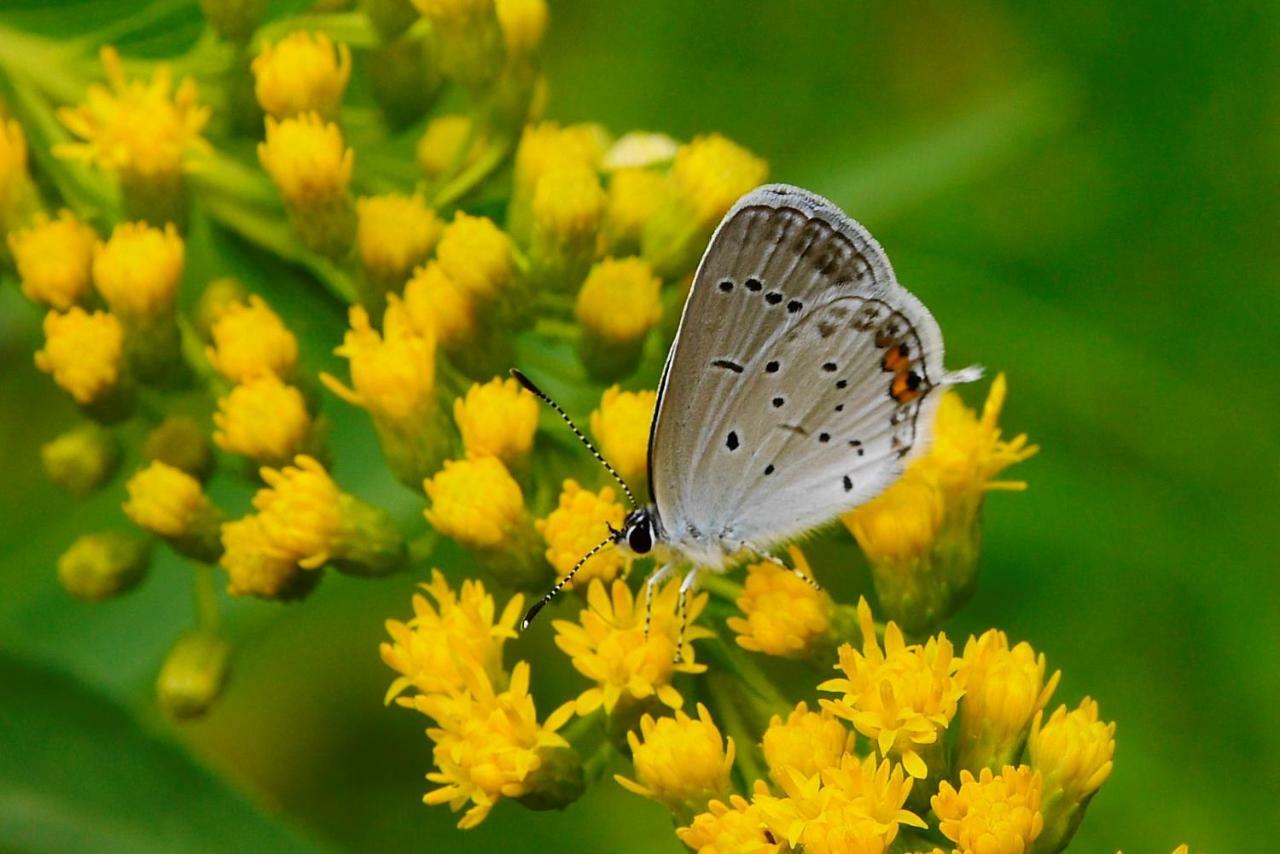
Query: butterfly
x=802 y=379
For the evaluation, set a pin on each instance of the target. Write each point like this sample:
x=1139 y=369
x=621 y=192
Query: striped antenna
x=555 y=591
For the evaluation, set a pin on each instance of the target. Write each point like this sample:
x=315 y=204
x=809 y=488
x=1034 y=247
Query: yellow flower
x=901 y=524
x=782 y=613
x=143 y=131
x=580 y=522
x=476 y=254
x=681 y=762
x=1004 y=688
x=249 y=340
x=444 y=632
x=620 y=301
x=568 y=205
x=734 y=829
x=440 y=149
x=440 y=306
x=634 y=197
x=169 y=503
x=54 y=258
x=608 y=645
x=262 y=419
x=83 y=352
x=138 y=270
x=394 y=234
x=468 y=37
x=99 y=566
x=301 y=73
x=299 y=512
x=255 y=567
x=1073 y=751
x=477 y=502
x=307 y=160
x=81 y=459
x=621 y=426
x=497 y=419
x=854 y=805
x=901 y=697
x=489 y=744
x=991 y=813
x=806 y=742
x=524 y=23
x=543 y=148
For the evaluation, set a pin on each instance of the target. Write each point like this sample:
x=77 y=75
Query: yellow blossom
x=303 y=72
x=524 y=23
x=249 y=340
x=1004 y=688
x=440 y=306
x=806 y=742
x=901 y=524
x=262 y=419
x=681 y=762
x=543 y=148
x=620 y=301
x=476 y=254
x=736 y=828
x=393 y=374
x=580 y=522
x=169 y=503
x=254 y=567
x=621 y=426
x=445 y=631
x=783 y=614
x=143 y=131
x=634 y=197
x=992 y=813
x=608 y=645
x=54 y=258
x=477 y=502
x=489 y=744
x=440 y=149
x=307 y=160
x=1073 y=751
x=567 y=207
x=299 y=512
x=497 y=419
x=138 y=270
x=83 y=352
x=968 y=452
x=901 y=697
x=394 y=234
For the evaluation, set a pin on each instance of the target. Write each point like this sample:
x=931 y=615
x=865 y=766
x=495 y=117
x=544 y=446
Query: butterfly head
x=638 y=533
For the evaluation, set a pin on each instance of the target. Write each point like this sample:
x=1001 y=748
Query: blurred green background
x=1084 y=194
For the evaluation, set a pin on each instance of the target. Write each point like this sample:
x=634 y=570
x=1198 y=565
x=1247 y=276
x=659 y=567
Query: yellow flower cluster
x=394 y=234
x=54 y=258
x=83 y=352
x=783 y=614
x=580 y=521
x=621 y=426
x=301 y=73
x=263 y=419
x=250 y=340
x=497 y=419
x=138 y=270
x=680 y=761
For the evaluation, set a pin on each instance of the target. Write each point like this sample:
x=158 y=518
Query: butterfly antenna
x=555 y=591
x=528 y=383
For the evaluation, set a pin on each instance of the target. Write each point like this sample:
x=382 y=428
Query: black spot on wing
x=771 y=368
x=753 y=284
x=728 y=365
x=773 y=297
x=732 y=441
x=726 y=286
x=848 y=484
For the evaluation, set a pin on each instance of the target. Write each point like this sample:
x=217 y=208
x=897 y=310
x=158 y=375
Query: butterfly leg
x=690 y=579
x=654 y=577
x=762 y=555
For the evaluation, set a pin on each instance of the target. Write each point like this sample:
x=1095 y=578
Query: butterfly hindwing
x=800 y=378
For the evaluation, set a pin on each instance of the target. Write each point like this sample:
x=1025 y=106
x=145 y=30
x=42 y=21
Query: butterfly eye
x=639 y=539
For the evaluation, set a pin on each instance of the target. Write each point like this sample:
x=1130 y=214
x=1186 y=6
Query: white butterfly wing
x=801 y=378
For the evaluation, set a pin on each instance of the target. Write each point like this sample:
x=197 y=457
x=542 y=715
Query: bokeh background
x=1086 y=196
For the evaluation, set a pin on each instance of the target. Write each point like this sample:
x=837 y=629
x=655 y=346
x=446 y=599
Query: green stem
x=728 y=711
x=720 y=586
x=206 y=598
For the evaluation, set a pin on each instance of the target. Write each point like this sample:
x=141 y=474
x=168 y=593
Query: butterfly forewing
x=799 y=381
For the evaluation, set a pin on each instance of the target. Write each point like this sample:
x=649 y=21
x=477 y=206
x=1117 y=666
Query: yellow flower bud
x=1073 y=751
x=477 y=255
x=579 y=523
x=524 y=23
x=193 y=674
x=543 y=148
x=990 y=812
x=680 y=762
x=255 y=567
x=728 y=829
x=634 y=197
x=440 y=149
x=250 y=340
x=620 y=301
x=180 y=442
x=568 y=206
x=497 y=419
x=83 y=352
x=441 y=307
x=81 y=459
x=783 y=614
x=301 y=73
x=170 y=503
x=217 y=296
x=311 y=167
x=469 y=39
x=806 y=742
x=1004 y=688
x=138 y=270
x=99 y=566
x=54 y=258
x=264 y=420
x=394 y=234
x=621 y=426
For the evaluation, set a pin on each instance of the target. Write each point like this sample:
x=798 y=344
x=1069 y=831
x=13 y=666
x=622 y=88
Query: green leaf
x=78 y=772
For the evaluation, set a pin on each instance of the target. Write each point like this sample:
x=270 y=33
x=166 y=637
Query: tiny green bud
x=99 y=566
x=193 y=674
x=81 y=459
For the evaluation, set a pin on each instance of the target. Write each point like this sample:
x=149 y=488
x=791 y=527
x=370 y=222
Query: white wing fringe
x=964 y=375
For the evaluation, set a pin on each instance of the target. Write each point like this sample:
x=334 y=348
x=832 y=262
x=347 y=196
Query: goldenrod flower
x=806 y=742
x=708 y=176
x=193 y=674
x=634 y=197
x=991 y=813
x=524 y=23
x=83 y=352
x=901 y=524
x=429 y=651
x=263 y=419
x=170 y=503
x=215 y=298
x=1073 y=751
x=736 y=828
x=440 y=148
x=967 y=452
x=180 y=442
x=138 y=270
x=621 y=426
x=301 y=73
x=1004 y=688
x=580 y=522
x=477 y=255
x=854 y=805
x=441 y=307
x=81 y=459
x=901 y=697
x=469 y=39
x=311 y=167
x=609 y=647
x=620 y=301
x=489 y=744
x=54 y=258
x=299 y=511
x=255 y=567
x=497 y=419
x=783 y=614
x=249 y=340
x=394 y=234
x=99 y=566
x=567 y=207
x=17 y=192
x=543 y=148
x=681 y=762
